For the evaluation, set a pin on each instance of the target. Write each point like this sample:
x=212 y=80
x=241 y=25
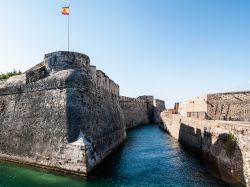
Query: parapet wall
x=62 y=114
x=233 y=106
x=223 y=145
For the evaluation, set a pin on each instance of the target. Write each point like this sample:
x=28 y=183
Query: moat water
x=148 y=158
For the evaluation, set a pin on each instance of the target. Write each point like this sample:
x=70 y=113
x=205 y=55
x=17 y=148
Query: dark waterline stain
x=148 y=158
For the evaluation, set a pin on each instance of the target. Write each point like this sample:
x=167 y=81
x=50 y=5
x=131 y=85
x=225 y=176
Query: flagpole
x=68 y=28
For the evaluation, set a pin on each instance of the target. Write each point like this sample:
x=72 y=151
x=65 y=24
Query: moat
x=149 y=157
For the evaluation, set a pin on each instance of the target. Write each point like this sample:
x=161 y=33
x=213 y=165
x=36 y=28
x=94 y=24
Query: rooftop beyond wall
x=230 y=106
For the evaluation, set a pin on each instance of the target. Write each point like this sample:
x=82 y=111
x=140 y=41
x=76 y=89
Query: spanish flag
x=65 y=10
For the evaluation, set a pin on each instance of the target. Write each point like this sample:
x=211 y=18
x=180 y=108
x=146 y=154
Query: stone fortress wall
x=149 y=99
x=62 y=114
x=141 y=110
x=159 y=106
x=134 y=110
x=217 y=127
x=223 y=145
x=232 y=106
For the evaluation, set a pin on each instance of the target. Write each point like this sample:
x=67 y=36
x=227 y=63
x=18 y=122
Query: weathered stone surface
x=232 y=106
x=224 y=145
x=141 y=110
x=149 y=99
x=159 y=106
x=35 y=74
x=60 y=115
x=135 y=111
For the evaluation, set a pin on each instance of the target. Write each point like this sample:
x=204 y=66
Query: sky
x=172 y=49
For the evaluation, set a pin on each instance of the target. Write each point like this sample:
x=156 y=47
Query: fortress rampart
x=216 y=126
x=223 y=145
x=62 y=114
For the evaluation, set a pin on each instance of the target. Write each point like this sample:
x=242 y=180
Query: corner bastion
x=62 y=115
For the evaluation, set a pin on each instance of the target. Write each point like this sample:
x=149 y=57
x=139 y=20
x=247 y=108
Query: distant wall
x=149 y=99
x=223 y=145
x=135 y=111
x=159 y=106
x=141 y=110
x=234 y=106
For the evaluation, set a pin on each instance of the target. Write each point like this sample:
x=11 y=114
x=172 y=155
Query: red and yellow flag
x=65 y=10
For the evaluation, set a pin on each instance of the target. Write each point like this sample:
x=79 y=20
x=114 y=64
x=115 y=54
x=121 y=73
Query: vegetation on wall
x=230 y=144
x=9 y=74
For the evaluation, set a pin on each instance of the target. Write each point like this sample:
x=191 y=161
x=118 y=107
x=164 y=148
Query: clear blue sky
x=172 y=49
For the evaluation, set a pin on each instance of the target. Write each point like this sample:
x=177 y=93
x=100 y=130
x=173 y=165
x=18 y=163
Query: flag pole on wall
x=68 y=28
x=66 y=11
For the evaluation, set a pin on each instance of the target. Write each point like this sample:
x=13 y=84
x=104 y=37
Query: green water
x=16 y=176
x=148 y=158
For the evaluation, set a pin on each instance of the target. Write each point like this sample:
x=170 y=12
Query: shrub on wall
x=9 y=74
x=230 y=144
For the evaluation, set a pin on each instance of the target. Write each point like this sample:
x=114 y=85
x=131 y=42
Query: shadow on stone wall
x=75 y=107
x=95 y=112
x=191 y=138
x=223 y=158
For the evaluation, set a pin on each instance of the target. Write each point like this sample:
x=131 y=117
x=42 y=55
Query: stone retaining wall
x=223 y=145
